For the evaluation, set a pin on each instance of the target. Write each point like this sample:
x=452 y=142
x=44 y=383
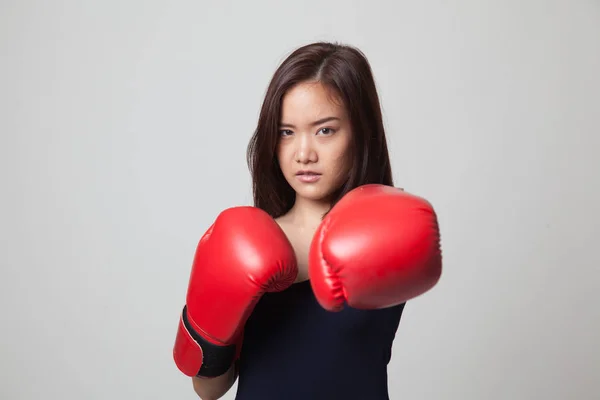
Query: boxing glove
x=241 y=256
x=377 y=247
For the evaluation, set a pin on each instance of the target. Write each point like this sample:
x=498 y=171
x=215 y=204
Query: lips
x=307 y=173
x=308 y=176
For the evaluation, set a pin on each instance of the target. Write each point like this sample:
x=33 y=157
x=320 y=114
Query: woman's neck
x=307 y=213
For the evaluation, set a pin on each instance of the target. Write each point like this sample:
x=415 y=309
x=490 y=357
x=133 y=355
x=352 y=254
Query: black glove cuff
x=216 y=360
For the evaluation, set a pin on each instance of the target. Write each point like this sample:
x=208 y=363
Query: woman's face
x=314 y=141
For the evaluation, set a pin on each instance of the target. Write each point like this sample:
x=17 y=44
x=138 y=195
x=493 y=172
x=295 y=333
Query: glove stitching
x=337 y=288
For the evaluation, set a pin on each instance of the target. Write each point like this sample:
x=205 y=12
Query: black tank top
x=294 y=349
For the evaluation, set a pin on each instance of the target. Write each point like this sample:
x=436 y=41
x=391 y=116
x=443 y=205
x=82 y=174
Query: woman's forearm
x=214 y=388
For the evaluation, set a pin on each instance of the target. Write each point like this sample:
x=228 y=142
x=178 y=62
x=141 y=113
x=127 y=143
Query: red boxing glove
x=376 y=248
x=242 y=255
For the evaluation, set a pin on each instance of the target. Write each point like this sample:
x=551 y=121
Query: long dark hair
x=344 y=69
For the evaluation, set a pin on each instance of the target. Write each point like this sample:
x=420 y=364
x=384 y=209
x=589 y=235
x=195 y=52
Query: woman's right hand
x=241 y=256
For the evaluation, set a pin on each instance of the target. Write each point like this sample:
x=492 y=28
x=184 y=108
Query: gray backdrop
x=123 y=133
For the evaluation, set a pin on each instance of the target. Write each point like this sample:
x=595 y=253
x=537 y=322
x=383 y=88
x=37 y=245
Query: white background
x=124 y=126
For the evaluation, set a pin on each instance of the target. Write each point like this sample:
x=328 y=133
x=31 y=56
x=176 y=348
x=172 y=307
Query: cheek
x=342 y=159
x=347 y=152
x=281 y=152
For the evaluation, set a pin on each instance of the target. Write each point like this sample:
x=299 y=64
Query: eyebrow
x=315 y=123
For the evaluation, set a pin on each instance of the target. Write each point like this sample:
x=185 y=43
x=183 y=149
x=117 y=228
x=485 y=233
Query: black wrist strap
x=216 y=360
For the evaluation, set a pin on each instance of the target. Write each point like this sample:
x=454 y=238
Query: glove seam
x=337 y=288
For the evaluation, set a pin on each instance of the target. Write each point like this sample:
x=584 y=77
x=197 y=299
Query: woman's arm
x=215 y=388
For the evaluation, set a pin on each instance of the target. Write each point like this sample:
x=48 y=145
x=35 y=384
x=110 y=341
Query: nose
x=305 y=150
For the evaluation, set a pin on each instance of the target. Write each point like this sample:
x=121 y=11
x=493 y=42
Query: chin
x=313 y=193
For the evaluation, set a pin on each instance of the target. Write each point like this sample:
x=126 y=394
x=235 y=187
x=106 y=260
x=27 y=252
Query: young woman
x=295 y=323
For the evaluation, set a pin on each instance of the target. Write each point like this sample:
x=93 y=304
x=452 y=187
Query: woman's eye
x=326 y=131
x=285 y=132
